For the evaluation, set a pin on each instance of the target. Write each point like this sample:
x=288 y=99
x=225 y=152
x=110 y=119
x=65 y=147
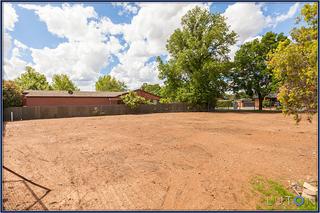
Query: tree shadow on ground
x=20 y=193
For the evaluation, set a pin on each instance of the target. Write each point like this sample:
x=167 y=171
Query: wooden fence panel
x=45 y=112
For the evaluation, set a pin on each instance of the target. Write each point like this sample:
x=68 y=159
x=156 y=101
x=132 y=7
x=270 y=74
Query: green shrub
x=224 y=103
x=12 y=94
x=278 y=107
x=133 y=100
x=165 y=100
x=266 y=103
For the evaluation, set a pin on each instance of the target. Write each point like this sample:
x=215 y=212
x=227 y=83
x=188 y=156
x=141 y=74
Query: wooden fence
x=44 y=112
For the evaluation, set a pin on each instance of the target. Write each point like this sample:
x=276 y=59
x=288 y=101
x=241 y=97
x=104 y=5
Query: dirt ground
x=169 y=161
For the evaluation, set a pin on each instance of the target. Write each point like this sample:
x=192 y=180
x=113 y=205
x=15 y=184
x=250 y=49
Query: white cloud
x=253 y=38
x=6 y=44
x=290 y=14
x=137 y=73
x=108 y=27
x=92 y=41
x=246 y=19
x=146 y=36
x=15 y=65
x=233 y=49
x=20 y=45
x=88 y=49
x=127 y=8
x=68 y=21
x=10 y=16
x=81 y=60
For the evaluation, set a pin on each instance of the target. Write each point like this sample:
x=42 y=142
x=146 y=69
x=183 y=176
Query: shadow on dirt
x=20 y=193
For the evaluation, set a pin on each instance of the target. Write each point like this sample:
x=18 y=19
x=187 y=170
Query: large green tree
x=198 y=58
x=295 y=66
x=109 y=83
x=32 y=80
x=152 y=88
x=62 y=82
x=12 y=94
x=250 y=72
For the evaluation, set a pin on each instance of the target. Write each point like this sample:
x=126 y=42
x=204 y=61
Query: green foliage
x=294 y=66
x=62 y=82
x=32 y=80
x=165 y=100
x=266 y=103
x=109 y=83
x=250 y=72
x=132 y=100
x=224 y=103
x=12 y=94
x=199 y=59
x=271 y=192
x=152 y=88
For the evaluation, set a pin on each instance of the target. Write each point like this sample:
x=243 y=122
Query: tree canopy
x=62 y=82
x=250 y=72
x=109 y=83
x=32 y=80
x=198 y=58
x=152 y=88
x=295 y=66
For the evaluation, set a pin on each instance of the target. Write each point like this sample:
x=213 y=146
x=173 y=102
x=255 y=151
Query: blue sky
x=88 y=40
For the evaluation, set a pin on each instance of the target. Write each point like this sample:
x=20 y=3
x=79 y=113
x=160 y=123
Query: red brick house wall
x=147 y=95
x=62 y=101
x=48 y=100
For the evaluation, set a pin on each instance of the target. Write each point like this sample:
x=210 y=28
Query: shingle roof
x=50 y=93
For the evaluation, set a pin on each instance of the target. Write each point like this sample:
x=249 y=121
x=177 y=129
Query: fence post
x=11 y=116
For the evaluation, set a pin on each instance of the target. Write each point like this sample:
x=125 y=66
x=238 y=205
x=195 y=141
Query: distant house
x=272 y=97
x=78 y=98
x=245 y=103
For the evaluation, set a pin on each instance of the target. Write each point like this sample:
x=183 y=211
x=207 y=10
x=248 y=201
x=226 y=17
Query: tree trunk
x=260 y=101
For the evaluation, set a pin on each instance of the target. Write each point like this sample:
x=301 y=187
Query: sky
x=89 y=40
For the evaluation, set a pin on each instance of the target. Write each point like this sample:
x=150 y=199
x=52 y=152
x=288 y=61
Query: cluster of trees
x=33 y=80
x=200 y=71
x=250 y=72
x=109 y=83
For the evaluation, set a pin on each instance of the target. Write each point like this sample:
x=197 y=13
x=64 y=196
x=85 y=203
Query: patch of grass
x=274 y=196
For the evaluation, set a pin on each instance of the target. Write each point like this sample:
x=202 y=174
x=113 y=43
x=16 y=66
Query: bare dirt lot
x=155 y=161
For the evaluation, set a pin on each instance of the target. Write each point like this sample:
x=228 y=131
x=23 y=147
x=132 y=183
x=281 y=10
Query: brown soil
x=156 y=161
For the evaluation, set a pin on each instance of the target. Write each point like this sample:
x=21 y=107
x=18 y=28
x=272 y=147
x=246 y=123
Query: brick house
x=78 y=98
x=242 y=103
x=272 y=97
